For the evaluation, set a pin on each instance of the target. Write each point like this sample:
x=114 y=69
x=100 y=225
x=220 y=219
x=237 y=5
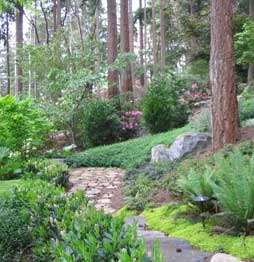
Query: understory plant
x=38 y=221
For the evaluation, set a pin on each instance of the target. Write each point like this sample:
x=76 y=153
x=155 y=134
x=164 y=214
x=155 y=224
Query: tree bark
x=222 y=75
x=126 y=82
x=46 y=22
x=154 y=37
x=251 y=66
x=8 y=55
x=113 y=78
x=54 y=15
x=162 y=34
x=19 y=46
x=58 y=15
x=132 y=43
x=141 y=46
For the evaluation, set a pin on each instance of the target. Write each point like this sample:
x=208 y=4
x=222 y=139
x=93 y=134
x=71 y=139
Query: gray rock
x=184 y=144
x=224 y=258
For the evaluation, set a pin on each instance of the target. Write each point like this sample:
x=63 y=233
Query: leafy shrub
x=11 y=165
x=101 y=123
x=54 y=223
x=162 y=109
x=234 y=187
x=48 y=170
x=246 y=108
x=202 y=121
x=248 y=123
x=23 y=127
x=131 y=124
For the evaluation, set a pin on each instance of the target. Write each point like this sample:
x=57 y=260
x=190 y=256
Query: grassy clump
x=163 y=219
x=7 y=185
x=129 y=154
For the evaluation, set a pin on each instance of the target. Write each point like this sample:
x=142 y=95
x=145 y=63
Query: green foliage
x=246 y=108
x=101 y=123
x=164 y=219
x=23 y=127
x=202 y=121
x=162 y=109
x=195 y=184
x=49 y=223
x=48 y=170
x=244 y=43
x=234 y=187
x=128 y=154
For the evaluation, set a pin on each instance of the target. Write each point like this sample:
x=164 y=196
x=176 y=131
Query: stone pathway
x=102 y=186
x=174 y=249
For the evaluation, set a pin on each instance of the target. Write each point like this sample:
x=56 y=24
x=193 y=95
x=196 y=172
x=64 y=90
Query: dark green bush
x=48 y=170
x=23 y=127
x=162 y=107
x=50 y=223
x=101 y=123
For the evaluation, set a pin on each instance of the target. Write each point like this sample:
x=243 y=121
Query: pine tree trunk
x=162 y=34
x=154 y=37
x=19 y=46
x=113 y=78
x=126 y=82
x=141 y=46
x=8 y=56
x=58 y=15
x=222 y=75
x=132 y=43
x=251 y=66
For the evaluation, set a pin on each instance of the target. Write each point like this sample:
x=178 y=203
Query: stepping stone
x=224 y=258
x=104 y=201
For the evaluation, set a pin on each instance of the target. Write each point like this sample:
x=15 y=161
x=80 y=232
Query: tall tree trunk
x=251 y=66
x=126 y=82
x=162 y=34
x=55 y=15
x=46 y=22
x=113 y=80
x=8 y=56
x=154 y=37
x=145 y=46
x=141 y=46
x=222 y=75
x=194 y=46
x=19 y=46
x=58 y=15
x=132 y=42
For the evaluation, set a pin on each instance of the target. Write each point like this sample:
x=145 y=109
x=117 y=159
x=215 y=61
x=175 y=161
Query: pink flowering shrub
x=131 y=123
x=193 y=95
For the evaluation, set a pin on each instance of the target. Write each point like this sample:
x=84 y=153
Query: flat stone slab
x=173 y=249
x=220 y=257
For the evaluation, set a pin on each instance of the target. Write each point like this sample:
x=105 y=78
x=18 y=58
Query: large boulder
x=184 y=144
x=220 y=257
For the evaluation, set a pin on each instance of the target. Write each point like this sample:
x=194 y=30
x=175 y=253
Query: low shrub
x=162 y=109
x=52 y=226
x=101 y=123
x=23 y=127
x=48 y=170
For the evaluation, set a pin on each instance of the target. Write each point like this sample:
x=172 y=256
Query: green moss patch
x=162 y=219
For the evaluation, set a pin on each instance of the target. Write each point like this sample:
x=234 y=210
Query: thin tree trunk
x=154 y=37
x=251 y=66
x=132 y=42
x=58 y=15
x=54 y=15
x=19 y=46
x=222 y=75
x=141 y=45
x=76 y=13
x=113 y=78
x=162 y=34
x=46 y=22
x=145 y=46
x=126 y=82
x=8 y=56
